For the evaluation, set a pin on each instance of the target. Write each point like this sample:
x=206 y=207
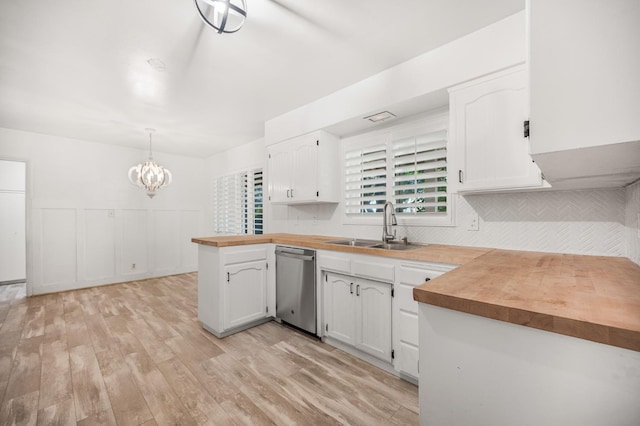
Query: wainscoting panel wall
x=99 y=244
x=189 y=227
x=78 y=247
x=166 y=241
x=134 y=239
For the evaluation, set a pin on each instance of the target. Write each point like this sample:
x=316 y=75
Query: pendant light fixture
x=224 y=16
x=149 y=175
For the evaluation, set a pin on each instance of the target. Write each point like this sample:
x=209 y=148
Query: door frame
x=27 y=219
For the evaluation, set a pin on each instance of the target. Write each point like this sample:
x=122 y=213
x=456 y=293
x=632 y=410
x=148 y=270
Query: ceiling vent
x=380 y=116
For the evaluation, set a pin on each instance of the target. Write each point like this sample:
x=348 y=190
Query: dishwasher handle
x=294 y=253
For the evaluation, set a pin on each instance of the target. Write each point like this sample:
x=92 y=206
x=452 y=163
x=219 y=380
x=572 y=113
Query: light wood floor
x=135 y=353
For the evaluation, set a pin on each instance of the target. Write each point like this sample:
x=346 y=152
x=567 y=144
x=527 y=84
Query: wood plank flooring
x=135 y=354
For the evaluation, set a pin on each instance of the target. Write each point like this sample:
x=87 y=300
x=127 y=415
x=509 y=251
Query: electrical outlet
x=133 y=266
x=474 y=222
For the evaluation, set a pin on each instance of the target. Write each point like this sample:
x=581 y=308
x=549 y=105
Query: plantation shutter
x=366 y=180
x=228 y=194
x=420 y=174
x=253 y=202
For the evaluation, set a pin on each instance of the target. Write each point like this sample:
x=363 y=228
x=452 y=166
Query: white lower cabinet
x=373 y=318
x=245 y=293
x=358 y=312
x=233 y=287
x=340 y=316
x=405 y=312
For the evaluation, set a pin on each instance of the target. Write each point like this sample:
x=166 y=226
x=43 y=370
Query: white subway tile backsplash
x=632 y=221
x=580 y=222
x=585 y=222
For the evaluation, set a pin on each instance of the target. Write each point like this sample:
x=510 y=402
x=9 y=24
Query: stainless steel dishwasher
x=296 y=287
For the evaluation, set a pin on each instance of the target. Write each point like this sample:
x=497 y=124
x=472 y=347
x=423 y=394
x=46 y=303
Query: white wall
x=88 y=225
x=487 y=50
x=12 y=221
x=485 y=372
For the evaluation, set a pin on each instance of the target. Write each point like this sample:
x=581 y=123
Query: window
x=420 y=174
x=252 y=206
x=366 y=180
x=238 y=203
x=406 y=165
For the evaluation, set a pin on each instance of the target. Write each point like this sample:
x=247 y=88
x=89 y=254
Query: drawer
x=408 y=359
x=234 y=255
x=375 y=271
x=415 y=276
x=334 y=263
x=404 y=298
x=408 y=327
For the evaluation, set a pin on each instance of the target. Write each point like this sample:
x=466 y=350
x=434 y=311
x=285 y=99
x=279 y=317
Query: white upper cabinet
x=487 y=134
x=304 y=170
x=585 y=91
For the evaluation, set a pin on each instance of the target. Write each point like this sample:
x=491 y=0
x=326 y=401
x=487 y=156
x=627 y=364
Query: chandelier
x=228 y=15
x=149 y=175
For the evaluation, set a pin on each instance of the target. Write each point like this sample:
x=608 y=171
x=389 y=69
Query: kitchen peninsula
x=513 y=335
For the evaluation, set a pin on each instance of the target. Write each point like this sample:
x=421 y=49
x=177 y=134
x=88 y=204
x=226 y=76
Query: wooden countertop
x=595 y=298
x=439 y=253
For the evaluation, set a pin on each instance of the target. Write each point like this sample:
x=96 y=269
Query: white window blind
x=410 y=172
x=253 y=213
x=237 y=203
x=227 y=204
x=420 y=174
x=366 y=180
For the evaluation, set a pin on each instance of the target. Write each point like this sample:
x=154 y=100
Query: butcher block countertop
x=595 y=298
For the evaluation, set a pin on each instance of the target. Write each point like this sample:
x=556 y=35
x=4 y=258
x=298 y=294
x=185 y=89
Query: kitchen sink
x=354 y=242
x=391 y=245
x=398 y=245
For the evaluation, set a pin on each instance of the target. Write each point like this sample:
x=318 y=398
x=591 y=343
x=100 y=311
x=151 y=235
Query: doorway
x=13 y=264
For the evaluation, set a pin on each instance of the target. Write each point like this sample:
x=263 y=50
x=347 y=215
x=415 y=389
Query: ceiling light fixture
x=228 y=15
x=149 y=175
x=381 y=116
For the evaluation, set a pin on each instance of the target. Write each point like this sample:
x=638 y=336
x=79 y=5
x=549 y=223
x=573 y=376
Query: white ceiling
x=80 y=69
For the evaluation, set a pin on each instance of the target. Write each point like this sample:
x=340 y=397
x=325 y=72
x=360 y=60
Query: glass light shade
x=224 y=16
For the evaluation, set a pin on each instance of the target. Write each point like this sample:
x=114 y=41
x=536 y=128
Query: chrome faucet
x=388 y=233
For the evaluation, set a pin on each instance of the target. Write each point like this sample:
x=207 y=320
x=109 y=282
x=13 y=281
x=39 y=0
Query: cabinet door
x=304 y=170
x=339 y=308
x=487 y=122
x=279 y=176
x=373 y=321
x=245 y=293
